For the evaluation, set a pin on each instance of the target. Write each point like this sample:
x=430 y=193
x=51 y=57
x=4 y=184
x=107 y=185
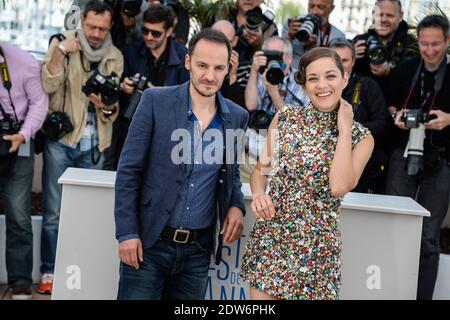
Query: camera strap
x=325 y=36
x=7 y=84
x=438 y=81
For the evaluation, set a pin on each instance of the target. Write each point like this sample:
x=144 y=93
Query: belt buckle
x=186 y=233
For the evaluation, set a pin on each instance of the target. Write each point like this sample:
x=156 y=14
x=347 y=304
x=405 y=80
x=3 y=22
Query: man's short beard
x=201 y=93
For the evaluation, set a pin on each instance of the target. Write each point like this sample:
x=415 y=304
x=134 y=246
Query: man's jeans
x=431 y=189
x=169 y=271
x=16 y=192
x=57 y=158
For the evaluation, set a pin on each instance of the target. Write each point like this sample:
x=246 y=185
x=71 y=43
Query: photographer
x=81 y=73
x=125 y=28
x=156 y=60
x=419 y=166
x=23 y=107
x=231 y=89
x=267 y=92
x=322 y=32
x=252 y=27
x=385 y=45
x=369 y=109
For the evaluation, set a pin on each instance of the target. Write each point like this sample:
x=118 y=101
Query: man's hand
x=259 y=60
x=233 y=225
x=294 y=26
x=311 y=42
x=439 y=123
x=360 y=49
x=97 y=101
x=130 y=251
x=71 y=45
x=234 y=63
x=127 y=85
x=398 y=120
x=16 y=140
x=380 y=70
x=253 y=37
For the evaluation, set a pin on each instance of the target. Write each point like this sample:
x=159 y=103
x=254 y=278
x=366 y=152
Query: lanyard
x=438 y=81
x=7 y=82
x=325 y=36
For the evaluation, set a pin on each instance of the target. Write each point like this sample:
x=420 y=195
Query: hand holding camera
x=360 y=49
x=259 y=60
x=293 y=25
x=254 y=37
x=16 y=140
x=439 y=120
x=8 y=130
x=234 y=64
x=128 y=84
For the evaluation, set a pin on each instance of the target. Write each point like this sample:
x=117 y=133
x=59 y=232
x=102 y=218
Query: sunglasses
x=155 y=33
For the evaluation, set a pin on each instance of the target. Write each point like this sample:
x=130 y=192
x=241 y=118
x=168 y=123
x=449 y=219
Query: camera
x=260 y=119
x=414 y=117
x=106 y=86
x=7 y=127
x=255 y=18
x=377 y=52
x=57 y=125
x=414 y=120
x=140 y=84
x=130 y=8
x=310 y=25
x=275 y=66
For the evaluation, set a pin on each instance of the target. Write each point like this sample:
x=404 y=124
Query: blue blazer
x=148 y=182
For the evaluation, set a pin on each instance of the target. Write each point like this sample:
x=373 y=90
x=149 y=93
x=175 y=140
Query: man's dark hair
x=157 y=13
x=343 y=43
x=434 y=21
x=212 y=36
x=98 y=7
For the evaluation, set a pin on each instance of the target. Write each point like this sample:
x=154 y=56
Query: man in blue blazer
x=178 y=192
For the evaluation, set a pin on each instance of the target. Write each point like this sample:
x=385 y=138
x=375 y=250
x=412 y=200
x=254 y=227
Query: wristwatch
x=108 y=112
x=62 y=50
x=394 y=114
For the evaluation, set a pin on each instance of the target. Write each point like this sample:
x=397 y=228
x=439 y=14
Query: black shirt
x=156 y=69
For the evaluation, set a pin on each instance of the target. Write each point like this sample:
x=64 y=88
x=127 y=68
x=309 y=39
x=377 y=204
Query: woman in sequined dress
x=314 y=156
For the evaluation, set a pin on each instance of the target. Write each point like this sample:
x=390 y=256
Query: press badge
x=25 y=149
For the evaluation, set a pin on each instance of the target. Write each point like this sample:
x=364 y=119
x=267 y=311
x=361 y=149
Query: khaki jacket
x=76 y=101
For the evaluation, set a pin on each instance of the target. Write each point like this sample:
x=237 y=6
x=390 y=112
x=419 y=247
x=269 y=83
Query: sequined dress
x=297 y=254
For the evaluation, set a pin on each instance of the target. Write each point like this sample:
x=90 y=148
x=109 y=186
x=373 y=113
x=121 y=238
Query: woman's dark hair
x=157 y=13
x=212 y=36
x=434 y=21
x=98 y=7
x=313 y=55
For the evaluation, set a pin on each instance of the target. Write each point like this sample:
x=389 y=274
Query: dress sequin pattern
x=297 y=254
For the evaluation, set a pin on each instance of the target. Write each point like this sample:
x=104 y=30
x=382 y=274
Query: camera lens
x=305 y=31
x=274 y=74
